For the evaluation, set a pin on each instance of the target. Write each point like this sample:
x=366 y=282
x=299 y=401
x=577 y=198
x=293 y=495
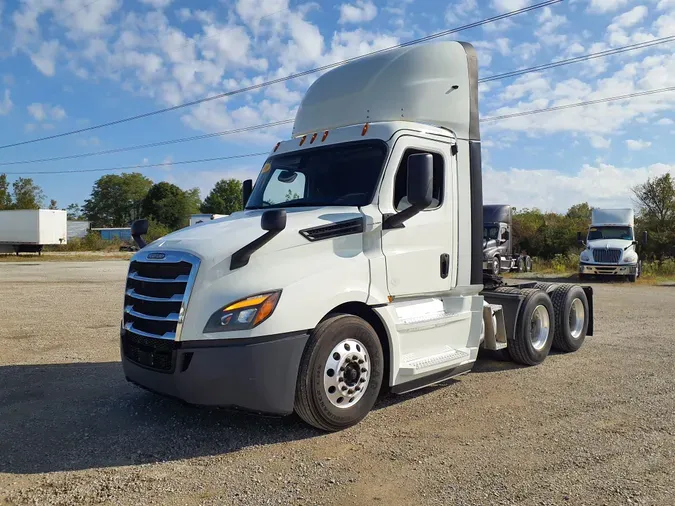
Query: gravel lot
x=594 y=427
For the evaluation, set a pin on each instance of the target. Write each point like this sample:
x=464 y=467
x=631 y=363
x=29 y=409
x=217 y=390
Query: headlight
x=586 y=255
x=244 y=314
x=630 y=258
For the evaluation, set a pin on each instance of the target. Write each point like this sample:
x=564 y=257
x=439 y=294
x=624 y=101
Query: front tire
x=534 y=329
x=340 y=374
x=496 y=266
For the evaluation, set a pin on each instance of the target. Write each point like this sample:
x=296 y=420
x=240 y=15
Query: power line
x=579 y=104
x=581 y=58
x=514 y=73
x=151 y=145
x=289 y=77
x=246 y=155
x=139 y=166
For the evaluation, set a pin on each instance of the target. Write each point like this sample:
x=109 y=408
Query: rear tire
x=341 y=345
x=520 y=264
x=534 y=328
x=571 y=317
x=528 y=264
x=546 y=287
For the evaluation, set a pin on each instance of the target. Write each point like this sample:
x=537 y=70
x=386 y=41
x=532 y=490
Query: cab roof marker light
x=277 y=146
x=311 y=141
x=365 y=129
x=302 y=140
x=325 y=134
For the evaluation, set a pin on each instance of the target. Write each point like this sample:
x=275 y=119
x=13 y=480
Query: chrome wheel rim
x=540 y=324
x=577 y=318
x=346 y=374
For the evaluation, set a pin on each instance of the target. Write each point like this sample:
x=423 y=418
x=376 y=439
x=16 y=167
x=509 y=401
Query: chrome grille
x=156 y=296
x=606 y=256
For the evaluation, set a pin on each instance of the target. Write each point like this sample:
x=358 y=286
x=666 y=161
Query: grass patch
x=66 y=256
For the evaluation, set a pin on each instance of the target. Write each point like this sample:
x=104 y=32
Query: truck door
x=420 y=256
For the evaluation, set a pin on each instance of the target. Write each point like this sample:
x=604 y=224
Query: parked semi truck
x=356 y=265
x=30 y=230
x=498 y=253
x=611 y=245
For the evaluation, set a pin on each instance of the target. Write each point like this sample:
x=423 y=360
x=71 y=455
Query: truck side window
x=401 y=180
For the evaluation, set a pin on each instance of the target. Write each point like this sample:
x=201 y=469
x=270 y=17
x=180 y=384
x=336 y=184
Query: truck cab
x=610 y=245
x=498 y=254
x=356 y=265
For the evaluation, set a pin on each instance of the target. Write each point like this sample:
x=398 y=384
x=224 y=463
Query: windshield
x=490 y=233
x=625 y=233
x=340 y=175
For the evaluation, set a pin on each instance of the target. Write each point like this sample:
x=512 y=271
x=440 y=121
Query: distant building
x=108 y=234
x=78 y=229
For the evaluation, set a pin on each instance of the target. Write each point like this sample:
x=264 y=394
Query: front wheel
x=496 y=266
x=340 y=373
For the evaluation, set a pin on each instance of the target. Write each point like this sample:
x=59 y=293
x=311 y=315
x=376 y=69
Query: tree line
x=117 y=200
x=547 y=234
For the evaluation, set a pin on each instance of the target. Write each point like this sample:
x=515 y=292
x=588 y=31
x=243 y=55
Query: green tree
x=116 y=200
x=74 y=212
x=655 y=200
x=170 y=206
x=27 y=195
x=580 y=212
x=224 y=198
x=5 y=194
x=53 y=205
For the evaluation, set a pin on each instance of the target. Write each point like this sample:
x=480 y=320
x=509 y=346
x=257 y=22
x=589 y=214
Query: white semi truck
x=611 y=245
x=356 y=265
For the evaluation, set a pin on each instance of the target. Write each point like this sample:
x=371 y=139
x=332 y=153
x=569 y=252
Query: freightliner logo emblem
x=156 y=256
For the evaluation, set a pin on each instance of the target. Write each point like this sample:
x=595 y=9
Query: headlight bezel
x=259 y=306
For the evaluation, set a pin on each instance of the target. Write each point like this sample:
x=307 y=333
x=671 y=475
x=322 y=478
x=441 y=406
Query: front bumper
x=607 y=270
x=257 y=374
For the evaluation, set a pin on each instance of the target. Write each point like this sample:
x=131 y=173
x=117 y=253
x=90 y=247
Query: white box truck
x=611 y=245
x=356 y=265
x=28 y=230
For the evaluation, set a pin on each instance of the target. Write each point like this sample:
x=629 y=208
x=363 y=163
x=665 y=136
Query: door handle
x=445 y=265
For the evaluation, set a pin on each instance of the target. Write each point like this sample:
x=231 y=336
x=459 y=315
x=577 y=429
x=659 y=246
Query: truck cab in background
x=498 y=254
x=611 y=245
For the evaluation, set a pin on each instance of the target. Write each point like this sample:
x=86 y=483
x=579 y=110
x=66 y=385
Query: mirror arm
x=396 y=220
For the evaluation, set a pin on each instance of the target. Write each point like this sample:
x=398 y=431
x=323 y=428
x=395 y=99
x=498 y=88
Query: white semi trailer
x=611 y=245
x=29 y=230
x=356 y=265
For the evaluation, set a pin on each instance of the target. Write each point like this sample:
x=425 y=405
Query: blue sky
x=68 y=64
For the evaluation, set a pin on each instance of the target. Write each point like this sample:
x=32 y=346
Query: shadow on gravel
x=65 y=417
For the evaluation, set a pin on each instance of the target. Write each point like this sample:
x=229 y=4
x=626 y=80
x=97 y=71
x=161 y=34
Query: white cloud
x=637 y=145
x=665 y=122
x=599 y=142
x=548 y=24
x=6 y=104
x=629 y=18
x=457 y=11
x=41 y=112
x=45 y=58
x=509 y=5
x=665 y=5
x=253 y=12
x=606 y=6
x=603 y=185
x=362 y=11
x=157 y=4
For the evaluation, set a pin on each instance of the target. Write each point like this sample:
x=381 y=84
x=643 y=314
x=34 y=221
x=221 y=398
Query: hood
x=218 y=239
x=609 y=244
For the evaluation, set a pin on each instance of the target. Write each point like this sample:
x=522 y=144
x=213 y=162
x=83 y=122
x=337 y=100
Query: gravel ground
x=594 y=427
